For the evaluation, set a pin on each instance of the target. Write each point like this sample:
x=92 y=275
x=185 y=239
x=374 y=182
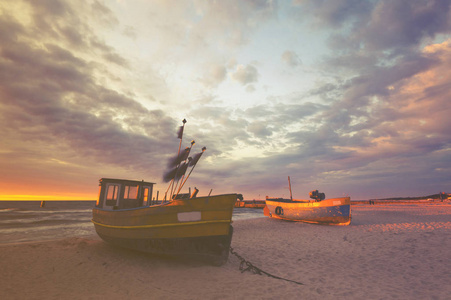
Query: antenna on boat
x=180 y=134
x=192 y=163
x=289 y=185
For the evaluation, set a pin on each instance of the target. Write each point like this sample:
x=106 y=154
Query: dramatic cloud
x=358 y=105
x=54 y=106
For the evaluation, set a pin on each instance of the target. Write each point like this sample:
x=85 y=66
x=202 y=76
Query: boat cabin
x=124 y=194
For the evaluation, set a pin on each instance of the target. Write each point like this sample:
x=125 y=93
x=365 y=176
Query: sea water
x=25 y=221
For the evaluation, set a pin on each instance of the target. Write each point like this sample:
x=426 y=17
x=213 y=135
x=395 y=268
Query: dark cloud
x=377 y=50
x=396 y=24
x=380 y=109
x=379 y=25
x=385 y=116
x=53 y=109
x=334 y=13
x=259 y=129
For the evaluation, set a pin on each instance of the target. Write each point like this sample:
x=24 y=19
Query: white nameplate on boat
x=337 y=202
x=189 y=216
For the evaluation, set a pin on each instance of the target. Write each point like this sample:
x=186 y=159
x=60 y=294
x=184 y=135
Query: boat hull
x=336 y=211
x=213 y=250
x=196 y=228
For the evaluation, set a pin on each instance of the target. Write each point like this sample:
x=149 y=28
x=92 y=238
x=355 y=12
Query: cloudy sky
x=348 y=97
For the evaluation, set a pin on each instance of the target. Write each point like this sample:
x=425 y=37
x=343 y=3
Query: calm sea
x=24 y=221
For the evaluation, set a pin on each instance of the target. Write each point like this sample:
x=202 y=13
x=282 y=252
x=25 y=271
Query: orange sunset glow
x=78 y=197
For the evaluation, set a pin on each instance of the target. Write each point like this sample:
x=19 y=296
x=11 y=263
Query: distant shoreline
x=385 y=200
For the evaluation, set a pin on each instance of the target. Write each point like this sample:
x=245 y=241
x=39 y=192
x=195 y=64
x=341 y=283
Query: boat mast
x=180 y=136
x=183 y=176
x=193 y=163
x=289 y=185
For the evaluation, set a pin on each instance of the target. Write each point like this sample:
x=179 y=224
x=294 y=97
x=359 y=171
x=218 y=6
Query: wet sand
x=394 y=251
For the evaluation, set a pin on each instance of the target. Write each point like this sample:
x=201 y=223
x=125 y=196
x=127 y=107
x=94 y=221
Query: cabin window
x=146 y=196
x=98 y=198
x=111 y=195
x=131 y=192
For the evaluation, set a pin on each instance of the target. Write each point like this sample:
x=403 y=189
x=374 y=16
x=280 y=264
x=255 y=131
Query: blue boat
x=318 y=210
x=335 y=211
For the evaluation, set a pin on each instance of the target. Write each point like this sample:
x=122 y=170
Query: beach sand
x=388 y=252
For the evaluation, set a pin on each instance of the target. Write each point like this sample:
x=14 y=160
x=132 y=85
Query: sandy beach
x=395 y=251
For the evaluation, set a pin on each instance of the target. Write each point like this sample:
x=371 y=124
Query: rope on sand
x=248 y=266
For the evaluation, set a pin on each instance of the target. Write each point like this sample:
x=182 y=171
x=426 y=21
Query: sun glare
x=47 y=197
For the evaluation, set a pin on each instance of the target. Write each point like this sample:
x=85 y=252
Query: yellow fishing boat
x=194 y=228
x=185 y=225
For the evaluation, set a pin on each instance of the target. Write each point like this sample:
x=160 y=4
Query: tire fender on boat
x=279 y=211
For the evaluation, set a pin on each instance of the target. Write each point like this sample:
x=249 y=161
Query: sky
x=348 y=97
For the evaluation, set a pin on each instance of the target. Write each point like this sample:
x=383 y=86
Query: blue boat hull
x=335 y=211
